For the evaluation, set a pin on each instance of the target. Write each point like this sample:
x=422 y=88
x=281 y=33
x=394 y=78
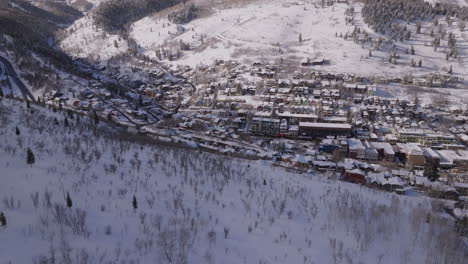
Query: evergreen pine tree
x=30 y=157
x=69 y=201
x=431 y=169
x=134 y=202
x=18 y=131
x=56 y=122
x=65 y=122
x=3 y=221
x=96 y=118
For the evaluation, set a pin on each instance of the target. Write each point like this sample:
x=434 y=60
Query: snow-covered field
x=271 y=30
x=259 y=30
x=192 y=207
x=88 y=41
x=94 y=2
x=432 y=61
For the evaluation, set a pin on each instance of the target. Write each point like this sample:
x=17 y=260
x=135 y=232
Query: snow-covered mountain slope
x=262 y=29
x=272 y=30
x=89 y=41
x=192 y=207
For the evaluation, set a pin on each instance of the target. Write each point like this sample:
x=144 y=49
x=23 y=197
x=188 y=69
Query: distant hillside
x=27 y=37
x=32 y=27
x=116 y=15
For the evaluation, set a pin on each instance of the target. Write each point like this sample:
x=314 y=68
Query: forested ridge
x=381 y=14
x=117 y=15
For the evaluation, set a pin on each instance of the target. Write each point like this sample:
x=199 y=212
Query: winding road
x=11 y=73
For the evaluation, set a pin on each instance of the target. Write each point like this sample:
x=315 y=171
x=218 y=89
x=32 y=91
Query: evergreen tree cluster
x=382 y=15
x=431 y=169
x=69 y=201
x=30 y=159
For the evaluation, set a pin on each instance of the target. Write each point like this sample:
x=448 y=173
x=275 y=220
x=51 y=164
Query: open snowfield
x=88 y=41
x=259 y=30
x=269 y=30
x=192 y=207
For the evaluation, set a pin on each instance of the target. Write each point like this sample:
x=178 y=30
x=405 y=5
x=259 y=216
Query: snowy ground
x=270 y=30
x=88 y=41
x=431 y=61
x=258 y=31
x=187 y=201
x=425 y=95
x=261 y=29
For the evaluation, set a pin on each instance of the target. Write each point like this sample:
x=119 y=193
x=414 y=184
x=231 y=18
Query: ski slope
x=192 y=207
x=271 y=30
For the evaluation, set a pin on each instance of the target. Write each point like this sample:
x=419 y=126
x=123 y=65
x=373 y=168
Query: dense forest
x=116 y=15
x=382 y=14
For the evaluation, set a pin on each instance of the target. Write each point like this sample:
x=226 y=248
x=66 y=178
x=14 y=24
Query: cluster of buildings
x=123 y=100
x=345 y=119
x=308 y=120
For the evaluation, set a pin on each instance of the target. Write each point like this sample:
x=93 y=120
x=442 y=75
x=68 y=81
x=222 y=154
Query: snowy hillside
x=276 y=30
x=88 y=41
x=192 y=207
x=272 y=30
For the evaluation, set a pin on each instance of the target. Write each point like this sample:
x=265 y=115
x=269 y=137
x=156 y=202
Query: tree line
x=117 y=15
x=381 y=15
